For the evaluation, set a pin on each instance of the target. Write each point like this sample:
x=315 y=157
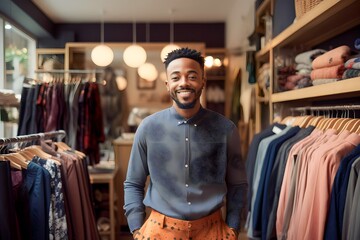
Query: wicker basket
x=303 y=6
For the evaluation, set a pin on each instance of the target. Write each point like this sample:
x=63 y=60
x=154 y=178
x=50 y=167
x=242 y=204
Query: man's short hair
x=184 y=53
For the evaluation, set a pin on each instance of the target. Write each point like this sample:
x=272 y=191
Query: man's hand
x=235 y=232
x=135 y=232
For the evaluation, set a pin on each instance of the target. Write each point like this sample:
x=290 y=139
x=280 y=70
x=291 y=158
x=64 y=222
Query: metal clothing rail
x=326 y=108
x=76 y=71
x=33 y=137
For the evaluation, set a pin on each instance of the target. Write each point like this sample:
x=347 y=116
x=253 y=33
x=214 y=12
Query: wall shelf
x=325 y=21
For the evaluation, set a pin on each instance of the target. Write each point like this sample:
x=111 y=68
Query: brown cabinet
x=109 y=179
x=122 y=149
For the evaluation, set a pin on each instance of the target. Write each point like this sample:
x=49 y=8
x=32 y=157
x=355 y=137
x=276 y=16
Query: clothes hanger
x=305 y=121
x=314 y=121
x=349 y=124
x=355 y=126
x=12 y=164
x=63 y=147
x=17 y=158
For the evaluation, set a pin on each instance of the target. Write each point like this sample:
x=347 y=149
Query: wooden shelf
x=328 y=19
x=215 y=78
x=263 y=54
x=347 y=86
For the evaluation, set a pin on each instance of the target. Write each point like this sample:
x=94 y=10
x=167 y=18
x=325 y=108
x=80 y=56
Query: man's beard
x=186 y=105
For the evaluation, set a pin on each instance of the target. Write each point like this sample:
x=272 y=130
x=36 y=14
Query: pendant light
x=148 y=70
x=134 y=55
x=102 y=55
x=171 y=46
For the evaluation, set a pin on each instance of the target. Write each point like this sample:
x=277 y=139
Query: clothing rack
x=75 y=71
x=33 y=137
x=326 y=110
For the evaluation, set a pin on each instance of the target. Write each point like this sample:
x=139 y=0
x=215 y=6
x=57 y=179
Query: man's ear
x=204 y=83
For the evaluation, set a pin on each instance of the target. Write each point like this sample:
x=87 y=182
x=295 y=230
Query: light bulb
x=134 y=55
x=102 y=55
x=148 y=72
x=121 y=82
x=168 y=48
x=217 y=62
x=209 y=61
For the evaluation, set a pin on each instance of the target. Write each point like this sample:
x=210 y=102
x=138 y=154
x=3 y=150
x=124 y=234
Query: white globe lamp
x=102 y=55
x=134 y=56
x=121 y=82
x=148 y=72
x=209 y=61
x=168 y=48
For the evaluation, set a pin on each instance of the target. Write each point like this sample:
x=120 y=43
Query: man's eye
x=174 y=78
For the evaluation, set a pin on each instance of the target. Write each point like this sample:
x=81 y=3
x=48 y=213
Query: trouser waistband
x=165 y=221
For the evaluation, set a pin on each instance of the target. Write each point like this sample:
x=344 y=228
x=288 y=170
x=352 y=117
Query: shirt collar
x=194 y=120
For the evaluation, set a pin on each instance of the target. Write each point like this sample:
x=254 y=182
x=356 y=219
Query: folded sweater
x=331 y=58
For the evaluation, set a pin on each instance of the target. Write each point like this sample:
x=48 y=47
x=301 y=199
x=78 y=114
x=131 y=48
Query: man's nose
x=184 y=80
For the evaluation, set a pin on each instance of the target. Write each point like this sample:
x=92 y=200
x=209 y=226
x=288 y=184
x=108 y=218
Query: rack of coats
x=302 y=175
x=68 y=101
x=45 y=189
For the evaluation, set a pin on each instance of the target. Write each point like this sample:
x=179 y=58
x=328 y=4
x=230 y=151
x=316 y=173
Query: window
x=18 y=50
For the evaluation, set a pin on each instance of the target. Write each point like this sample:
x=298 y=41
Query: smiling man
x=192 y=156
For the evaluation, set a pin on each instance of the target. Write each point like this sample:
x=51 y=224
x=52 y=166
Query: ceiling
x=84 y=11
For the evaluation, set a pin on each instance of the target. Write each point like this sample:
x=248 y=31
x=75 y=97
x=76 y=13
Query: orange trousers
x=161 y=227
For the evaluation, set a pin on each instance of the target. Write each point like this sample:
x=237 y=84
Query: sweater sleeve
x=135 y=183
x=236 y=182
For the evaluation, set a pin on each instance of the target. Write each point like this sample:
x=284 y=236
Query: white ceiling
x=82 y=11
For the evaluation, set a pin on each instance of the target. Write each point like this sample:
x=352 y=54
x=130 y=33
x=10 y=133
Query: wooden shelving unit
x=325 y=21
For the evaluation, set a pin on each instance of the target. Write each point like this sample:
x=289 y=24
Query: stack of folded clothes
x=8 y=98
x=263 y=79
x=301 y=77
x=282 y=77
x=352 y=67
x=329 y=67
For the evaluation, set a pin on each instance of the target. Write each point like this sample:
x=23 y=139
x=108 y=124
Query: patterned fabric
x=353 y=63
x=57 y=218
x=159 y=226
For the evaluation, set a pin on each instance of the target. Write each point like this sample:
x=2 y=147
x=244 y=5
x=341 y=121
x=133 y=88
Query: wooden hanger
x=314 y=121
x=305 y=121
x=16 y=158
x=12 y=164
x=288 y=120
x=330 y=123
x=349 y=125
x=63 y=147
x=341 y=123
x=35 y=150
x=355 y=126
x=321 y=123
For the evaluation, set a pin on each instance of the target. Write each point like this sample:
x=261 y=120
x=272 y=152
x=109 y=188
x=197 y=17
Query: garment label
x=276 y=130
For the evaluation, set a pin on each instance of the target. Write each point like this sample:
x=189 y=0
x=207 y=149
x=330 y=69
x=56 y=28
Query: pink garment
x=328 y=72
x=302 y=179
x=285 y=204
x=331 y=58
x=310 y=212
x=326 y=174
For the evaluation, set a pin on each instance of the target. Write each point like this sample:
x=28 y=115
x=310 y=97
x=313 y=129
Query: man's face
x=185 y=81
